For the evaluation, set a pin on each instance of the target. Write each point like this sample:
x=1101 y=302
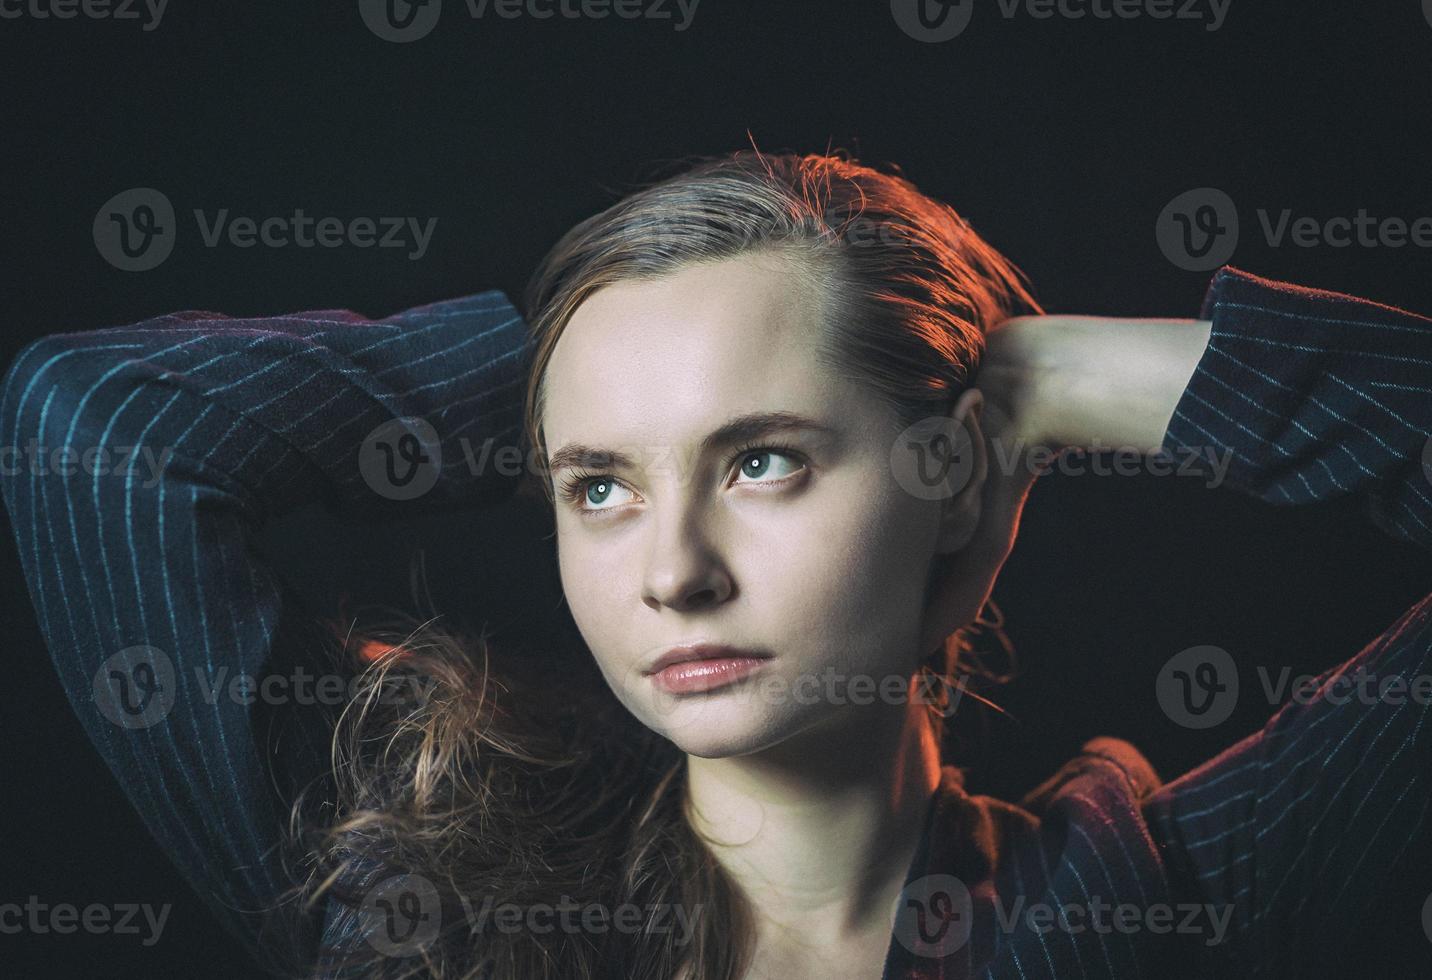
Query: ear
x=969 y=468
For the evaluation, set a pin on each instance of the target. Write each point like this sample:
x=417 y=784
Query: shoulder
x=1104 y=763
x=1107 y=775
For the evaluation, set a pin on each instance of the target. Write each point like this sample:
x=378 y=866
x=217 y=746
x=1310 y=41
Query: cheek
x=588 y=580
x=601 y=582
x=859 y=583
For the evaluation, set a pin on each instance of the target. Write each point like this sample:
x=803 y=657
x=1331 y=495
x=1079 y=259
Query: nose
x=684 y=570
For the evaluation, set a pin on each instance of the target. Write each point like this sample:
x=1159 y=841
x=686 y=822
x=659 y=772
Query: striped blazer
x=147 y=587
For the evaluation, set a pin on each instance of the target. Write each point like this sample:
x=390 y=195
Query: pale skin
x=813 y=805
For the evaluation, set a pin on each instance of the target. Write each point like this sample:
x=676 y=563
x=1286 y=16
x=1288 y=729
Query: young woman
x=787 y=411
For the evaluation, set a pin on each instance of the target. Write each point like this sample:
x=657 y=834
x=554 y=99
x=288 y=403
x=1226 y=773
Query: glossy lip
x=704 y=676
x=683 y=653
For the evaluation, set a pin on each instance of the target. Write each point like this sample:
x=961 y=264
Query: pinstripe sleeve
x=140 y=462
x=1305 y=826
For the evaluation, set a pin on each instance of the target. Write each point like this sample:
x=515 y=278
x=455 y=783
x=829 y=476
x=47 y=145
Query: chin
x=716 y=728
x=718 y=745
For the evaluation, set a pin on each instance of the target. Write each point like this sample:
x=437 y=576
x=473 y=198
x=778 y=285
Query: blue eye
x=757 y=464
x=590 y=492
x=595 y=491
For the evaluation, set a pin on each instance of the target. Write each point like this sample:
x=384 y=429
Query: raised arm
x=146 y=583
x=1304 y=827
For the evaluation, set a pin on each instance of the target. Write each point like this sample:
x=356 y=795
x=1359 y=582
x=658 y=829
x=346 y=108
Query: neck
x=820 y=830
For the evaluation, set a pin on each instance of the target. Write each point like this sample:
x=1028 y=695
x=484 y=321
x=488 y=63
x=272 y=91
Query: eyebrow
x=740 y=428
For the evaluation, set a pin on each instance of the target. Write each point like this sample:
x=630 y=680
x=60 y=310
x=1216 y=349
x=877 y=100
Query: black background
x=1060 y=140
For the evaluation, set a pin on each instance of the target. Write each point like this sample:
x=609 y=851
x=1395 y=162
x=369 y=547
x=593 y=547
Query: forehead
x=641 y=362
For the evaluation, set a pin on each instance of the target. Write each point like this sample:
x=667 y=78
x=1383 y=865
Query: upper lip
x=699 y=651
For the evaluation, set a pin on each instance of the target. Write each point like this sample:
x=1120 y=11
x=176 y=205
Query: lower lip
x=694 y=676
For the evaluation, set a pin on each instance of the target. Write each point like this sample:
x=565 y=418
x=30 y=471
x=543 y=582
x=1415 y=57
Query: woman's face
x=810 y=553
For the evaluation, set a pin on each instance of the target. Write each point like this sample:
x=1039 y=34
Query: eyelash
x=574 y=486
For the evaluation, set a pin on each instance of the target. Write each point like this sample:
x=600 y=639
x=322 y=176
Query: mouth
x=702 y=667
